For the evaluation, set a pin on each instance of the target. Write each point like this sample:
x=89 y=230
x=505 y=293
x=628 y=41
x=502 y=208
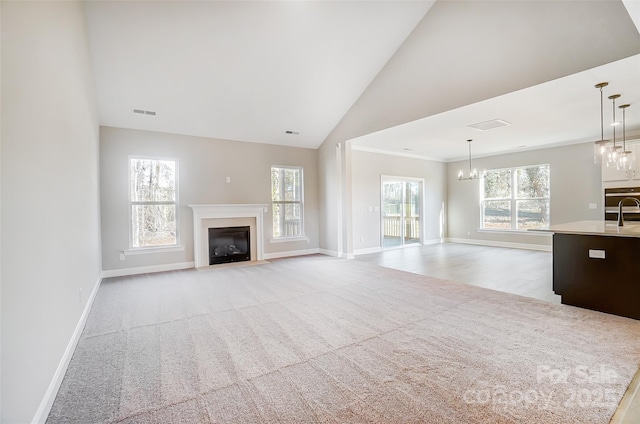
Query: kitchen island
x=596 y=265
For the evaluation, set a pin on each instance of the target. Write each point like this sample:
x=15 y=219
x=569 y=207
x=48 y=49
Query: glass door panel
x=401 y=208
x=412 y=200
x=392 y=193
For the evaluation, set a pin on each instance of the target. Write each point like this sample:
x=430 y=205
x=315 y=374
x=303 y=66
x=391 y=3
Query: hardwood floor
x=518 y=271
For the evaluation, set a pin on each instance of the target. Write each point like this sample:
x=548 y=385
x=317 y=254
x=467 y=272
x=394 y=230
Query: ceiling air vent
x=489 y=125
x=144 y=112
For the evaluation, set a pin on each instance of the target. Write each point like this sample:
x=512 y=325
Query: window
x=153 y=202
x=286 y=201
x=515 y=198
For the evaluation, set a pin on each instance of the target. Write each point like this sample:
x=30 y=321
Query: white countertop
x=597 y=228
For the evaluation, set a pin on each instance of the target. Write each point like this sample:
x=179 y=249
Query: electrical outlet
x=228 y=179
x=468 y=233
x=593 y=206
x=122 y=256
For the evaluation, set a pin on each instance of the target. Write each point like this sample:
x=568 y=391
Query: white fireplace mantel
x=202 y=212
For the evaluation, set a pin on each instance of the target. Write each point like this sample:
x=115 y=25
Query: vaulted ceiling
x=247 y=71
x=395 y=75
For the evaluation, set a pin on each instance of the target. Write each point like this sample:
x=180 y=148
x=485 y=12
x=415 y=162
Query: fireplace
x=229 y=244
x=222 y=216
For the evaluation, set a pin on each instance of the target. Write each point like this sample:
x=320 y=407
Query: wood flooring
x=517 y=271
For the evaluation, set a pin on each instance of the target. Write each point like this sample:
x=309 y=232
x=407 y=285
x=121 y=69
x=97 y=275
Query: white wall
x=50 y=203
x=327 y=186
x=575 y=182
x=367 y=169
x=0 y=215
x=204 y=163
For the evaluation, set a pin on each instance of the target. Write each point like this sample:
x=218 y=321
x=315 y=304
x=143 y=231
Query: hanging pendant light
x=600 y=146
x=625 y=157
x=473 y=172
x=613 y=150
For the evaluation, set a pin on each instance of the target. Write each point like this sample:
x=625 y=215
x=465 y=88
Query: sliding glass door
x=401 y=212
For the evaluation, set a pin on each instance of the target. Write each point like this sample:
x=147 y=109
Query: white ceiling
x=238 y=70
x=250 y=71
x=562 y=111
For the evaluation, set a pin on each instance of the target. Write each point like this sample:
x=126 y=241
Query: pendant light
x=600 y=146
x=625 y=158
x=473 y=172
x=614 y=150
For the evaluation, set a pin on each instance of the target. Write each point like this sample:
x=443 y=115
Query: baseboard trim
x=526 y=246
x=333 y=253
x=50 y=395
x=379 y=249
x=367 y=250
x=433 y=241
x=290 y=253
x=147 y=269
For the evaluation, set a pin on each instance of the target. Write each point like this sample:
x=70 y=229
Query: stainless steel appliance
x=613 y=196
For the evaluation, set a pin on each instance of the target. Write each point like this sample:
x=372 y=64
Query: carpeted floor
x=318 y=339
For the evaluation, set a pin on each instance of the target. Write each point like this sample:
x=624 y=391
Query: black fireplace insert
x=229 y=244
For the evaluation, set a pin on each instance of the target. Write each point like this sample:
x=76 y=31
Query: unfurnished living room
x=320 y=211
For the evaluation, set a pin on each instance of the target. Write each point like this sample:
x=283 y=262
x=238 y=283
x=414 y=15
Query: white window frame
x=513 y=199
x=302 y=236
x=163 y=248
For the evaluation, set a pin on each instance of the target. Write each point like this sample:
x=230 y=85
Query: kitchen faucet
x=620 y=219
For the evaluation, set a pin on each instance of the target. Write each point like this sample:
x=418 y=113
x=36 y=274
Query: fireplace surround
x=226 y=215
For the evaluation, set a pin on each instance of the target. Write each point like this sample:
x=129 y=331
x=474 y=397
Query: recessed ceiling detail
x=489 y=125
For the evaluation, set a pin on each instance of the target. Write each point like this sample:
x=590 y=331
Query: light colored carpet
x=318 y=339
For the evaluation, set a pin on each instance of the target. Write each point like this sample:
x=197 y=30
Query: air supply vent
x=489 y=125
x=144 y=112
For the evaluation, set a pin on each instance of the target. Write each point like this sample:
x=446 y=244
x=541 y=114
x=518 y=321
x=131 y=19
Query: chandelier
x=473 y=172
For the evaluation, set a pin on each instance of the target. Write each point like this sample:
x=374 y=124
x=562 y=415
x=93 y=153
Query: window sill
x=152 y=250
x=289 y=239
x=519 y=232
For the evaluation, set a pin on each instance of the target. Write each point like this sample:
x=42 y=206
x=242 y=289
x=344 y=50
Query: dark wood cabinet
x=598 y=272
